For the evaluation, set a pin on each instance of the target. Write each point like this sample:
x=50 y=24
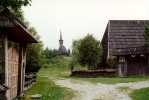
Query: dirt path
x=90 y=91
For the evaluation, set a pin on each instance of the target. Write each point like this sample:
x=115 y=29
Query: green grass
x=48 y=90
x=55 y=71
x=141 y=94
x=125 y=89
x=109 y=80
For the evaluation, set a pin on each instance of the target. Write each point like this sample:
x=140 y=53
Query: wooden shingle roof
x=12 y=26
x=123 y=34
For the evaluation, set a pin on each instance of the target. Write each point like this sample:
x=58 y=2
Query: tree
x=35 y=56
x=146 y=35
x=74 y=61
x=54 y=53
x=15 y=7
x=90 y=51
x=68 y=51
x=14 y=4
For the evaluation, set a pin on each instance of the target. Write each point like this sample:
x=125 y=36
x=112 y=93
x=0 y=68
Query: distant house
x=62 y=50
x=124 y=40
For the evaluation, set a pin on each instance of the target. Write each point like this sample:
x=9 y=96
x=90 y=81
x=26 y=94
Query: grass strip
x=141 y=94
x=48 y=90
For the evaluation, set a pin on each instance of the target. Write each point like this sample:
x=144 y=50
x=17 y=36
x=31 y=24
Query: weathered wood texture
x=125 y=40
x=11 y=28
x=104 y=43
x=21 y=68
x=133 y=66
x=94 y=73
x=30 y=79
x=17 y=32
x=123 y=34
x=5 y=59
x=12 y=73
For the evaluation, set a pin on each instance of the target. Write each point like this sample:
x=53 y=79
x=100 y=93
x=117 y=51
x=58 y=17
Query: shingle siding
x=123 y=34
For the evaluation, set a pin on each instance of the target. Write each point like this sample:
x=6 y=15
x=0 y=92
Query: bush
x=111 y=62
x=45 y=66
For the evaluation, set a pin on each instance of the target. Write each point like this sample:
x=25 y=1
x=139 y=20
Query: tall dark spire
x=61 y=41
x=60 y=35
x=62 y=50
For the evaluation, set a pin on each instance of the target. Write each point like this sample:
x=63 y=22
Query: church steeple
x=60 y=35
x=62 y=50
x=60 y=41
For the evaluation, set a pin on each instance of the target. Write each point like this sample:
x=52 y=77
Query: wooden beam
x=24 y=66
x=21 y=68
x=5 y=60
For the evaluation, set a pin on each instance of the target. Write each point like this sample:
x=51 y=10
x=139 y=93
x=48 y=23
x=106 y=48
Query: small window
x=121 y=59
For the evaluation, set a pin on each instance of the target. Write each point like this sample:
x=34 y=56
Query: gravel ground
x=90 y=91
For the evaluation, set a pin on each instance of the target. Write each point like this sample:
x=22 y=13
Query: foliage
x=146 y=35
x=68 y=51
x=50 y=55
x=141 y=94
x=74 y=61
x=111 y=62
x=90 y=51
x=45 y=66
x=34 y=58
x=15 y=8
x=14 y=4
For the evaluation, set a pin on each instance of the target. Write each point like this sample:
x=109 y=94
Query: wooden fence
x=30 y=79
x=94 y=73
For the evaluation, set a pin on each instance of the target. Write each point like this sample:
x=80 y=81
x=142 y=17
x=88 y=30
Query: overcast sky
x=77 y=18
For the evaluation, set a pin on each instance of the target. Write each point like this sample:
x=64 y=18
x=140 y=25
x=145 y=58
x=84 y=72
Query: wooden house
x=13 y=64
x=124 y=40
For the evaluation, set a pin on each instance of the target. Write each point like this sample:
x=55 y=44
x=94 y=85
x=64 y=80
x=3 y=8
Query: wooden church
x=124 y=40
x=62 y=50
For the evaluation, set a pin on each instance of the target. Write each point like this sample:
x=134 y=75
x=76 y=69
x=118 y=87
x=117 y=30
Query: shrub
x=45 y=66
x=111 y=62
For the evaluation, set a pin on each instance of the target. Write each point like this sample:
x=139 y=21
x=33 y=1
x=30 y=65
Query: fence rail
x=94 y=73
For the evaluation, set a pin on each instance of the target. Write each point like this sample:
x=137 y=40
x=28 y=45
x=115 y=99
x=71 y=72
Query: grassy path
x=51 y=89
x=90 y=91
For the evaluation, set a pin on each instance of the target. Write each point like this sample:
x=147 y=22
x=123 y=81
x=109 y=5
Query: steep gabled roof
x=62 y=50
x=12 y=26
x=123 y=34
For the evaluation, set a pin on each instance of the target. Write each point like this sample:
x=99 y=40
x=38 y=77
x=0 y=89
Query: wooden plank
x=5 y=60
x=21 y=68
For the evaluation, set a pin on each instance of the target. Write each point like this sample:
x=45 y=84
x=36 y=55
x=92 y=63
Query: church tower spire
x=62 y=50
x=61 y=40
x=60 y=35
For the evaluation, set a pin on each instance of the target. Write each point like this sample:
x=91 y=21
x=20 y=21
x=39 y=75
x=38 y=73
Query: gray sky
x=77 y=18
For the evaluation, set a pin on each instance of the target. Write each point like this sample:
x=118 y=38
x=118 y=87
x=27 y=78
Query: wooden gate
x=12 y=73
